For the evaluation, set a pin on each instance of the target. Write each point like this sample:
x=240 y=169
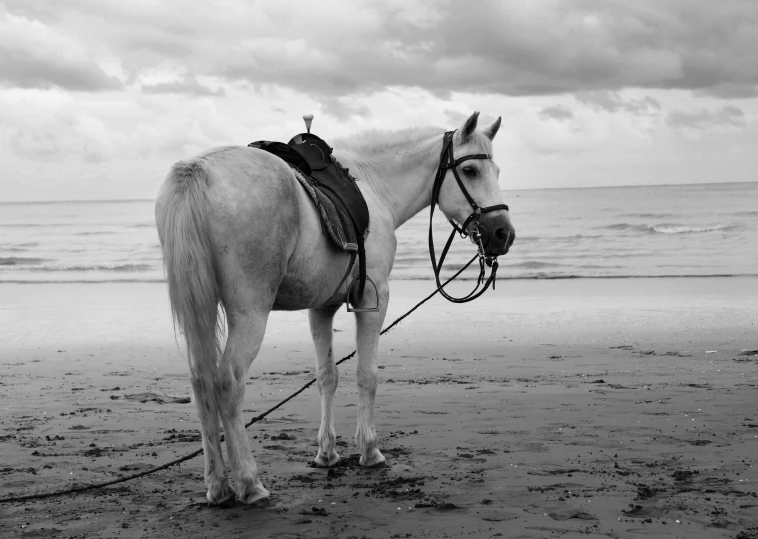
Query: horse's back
x=234 y=178
x=247 y=177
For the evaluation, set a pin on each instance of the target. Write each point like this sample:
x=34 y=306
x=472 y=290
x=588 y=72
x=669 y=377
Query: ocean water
x=683 y=230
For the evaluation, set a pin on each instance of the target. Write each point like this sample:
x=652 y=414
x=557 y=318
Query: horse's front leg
x=242 y=346
x=321 y=321
x=369 y=324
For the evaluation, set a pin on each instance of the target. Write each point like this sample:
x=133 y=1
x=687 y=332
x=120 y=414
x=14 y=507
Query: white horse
x=238 y=229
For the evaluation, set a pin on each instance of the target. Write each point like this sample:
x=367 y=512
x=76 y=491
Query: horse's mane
x=370 y=152
x=379 y=141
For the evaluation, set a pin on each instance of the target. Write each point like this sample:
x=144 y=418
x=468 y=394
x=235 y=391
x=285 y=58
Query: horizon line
x=125 y=200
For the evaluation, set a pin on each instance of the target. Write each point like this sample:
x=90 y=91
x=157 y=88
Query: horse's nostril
x=501 y=235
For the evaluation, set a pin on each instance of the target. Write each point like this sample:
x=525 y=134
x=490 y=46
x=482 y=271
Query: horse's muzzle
x=497 y=234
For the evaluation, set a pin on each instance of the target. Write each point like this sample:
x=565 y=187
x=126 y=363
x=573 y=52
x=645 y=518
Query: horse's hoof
x=255 y=495
x=219 y=493
x=323 y=461
x=375 y=459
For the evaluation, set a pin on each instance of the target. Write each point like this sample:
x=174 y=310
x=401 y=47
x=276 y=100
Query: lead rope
x=94 y=486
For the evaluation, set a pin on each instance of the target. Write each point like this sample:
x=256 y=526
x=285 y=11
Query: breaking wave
x=671 y=228
x=36 y=266
x=21 y=261
x=674 y=229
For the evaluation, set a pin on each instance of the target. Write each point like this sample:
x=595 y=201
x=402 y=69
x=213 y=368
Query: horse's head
x=478 y=178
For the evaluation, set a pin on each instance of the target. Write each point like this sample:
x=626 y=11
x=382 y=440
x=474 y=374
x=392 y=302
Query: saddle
x=342 y=208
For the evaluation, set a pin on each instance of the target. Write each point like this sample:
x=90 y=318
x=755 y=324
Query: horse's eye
x=469 y=171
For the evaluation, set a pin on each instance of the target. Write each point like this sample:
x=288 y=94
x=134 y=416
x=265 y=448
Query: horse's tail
x=182 y=216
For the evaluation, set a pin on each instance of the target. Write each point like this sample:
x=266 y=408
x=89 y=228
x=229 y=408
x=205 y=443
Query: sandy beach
x=548 y=408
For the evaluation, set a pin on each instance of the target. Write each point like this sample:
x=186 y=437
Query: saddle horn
x=308 y=121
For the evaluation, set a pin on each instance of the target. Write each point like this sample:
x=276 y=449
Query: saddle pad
x=334 y=217
x=330 y=173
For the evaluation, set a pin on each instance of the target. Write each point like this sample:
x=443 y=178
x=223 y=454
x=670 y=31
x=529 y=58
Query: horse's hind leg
x=369 y=324
x=328 y=377
x=215 y=472
x=246 y=331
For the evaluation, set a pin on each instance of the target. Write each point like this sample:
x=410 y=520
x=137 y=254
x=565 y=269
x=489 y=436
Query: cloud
x=344 y=108
x=33 y=55
x=50 y=127
x=613 y=102
x=557 y=112
x=93 y=89
x=455 y=117
x=495 y=47
x=23 y=70
x=731 y=91
x=187 y=86
x=728 y=115
x=480 y=46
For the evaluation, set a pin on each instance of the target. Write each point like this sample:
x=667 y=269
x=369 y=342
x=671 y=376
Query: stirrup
x=374 y=309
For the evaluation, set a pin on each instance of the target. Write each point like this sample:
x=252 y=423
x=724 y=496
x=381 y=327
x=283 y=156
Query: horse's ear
x=491 y=131
x=468 y=127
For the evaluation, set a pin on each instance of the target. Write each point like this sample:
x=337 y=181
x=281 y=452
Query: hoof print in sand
x=136 y=467
x=434 y=503
x=639 y=511
x=682 y=476
x=317 y=511
x=497 y=516
x=145 y=397
x=555 y=471
x=569 y=513
x=283 y=436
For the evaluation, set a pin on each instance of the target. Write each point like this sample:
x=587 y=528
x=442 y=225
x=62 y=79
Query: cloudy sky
x=98 y=98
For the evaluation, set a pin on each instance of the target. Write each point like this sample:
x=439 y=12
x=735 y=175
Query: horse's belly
x=315 y=284
x=315 y=269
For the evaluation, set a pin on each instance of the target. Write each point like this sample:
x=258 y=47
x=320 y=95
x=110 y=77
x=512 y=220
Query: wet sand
x=588 y=407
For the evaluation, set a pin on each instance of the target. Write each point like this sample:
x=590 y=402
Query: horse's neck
x=401 y=180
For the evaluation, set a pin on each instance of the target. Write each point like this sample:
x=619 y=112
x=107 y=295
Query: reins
x=448 y=161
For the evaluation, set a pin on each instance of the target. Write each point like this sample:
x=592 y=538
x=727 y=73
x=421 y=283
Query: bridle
x=448 y=161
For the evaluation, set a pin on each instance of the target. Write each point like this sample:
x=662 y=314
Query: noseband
x=448 y=161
